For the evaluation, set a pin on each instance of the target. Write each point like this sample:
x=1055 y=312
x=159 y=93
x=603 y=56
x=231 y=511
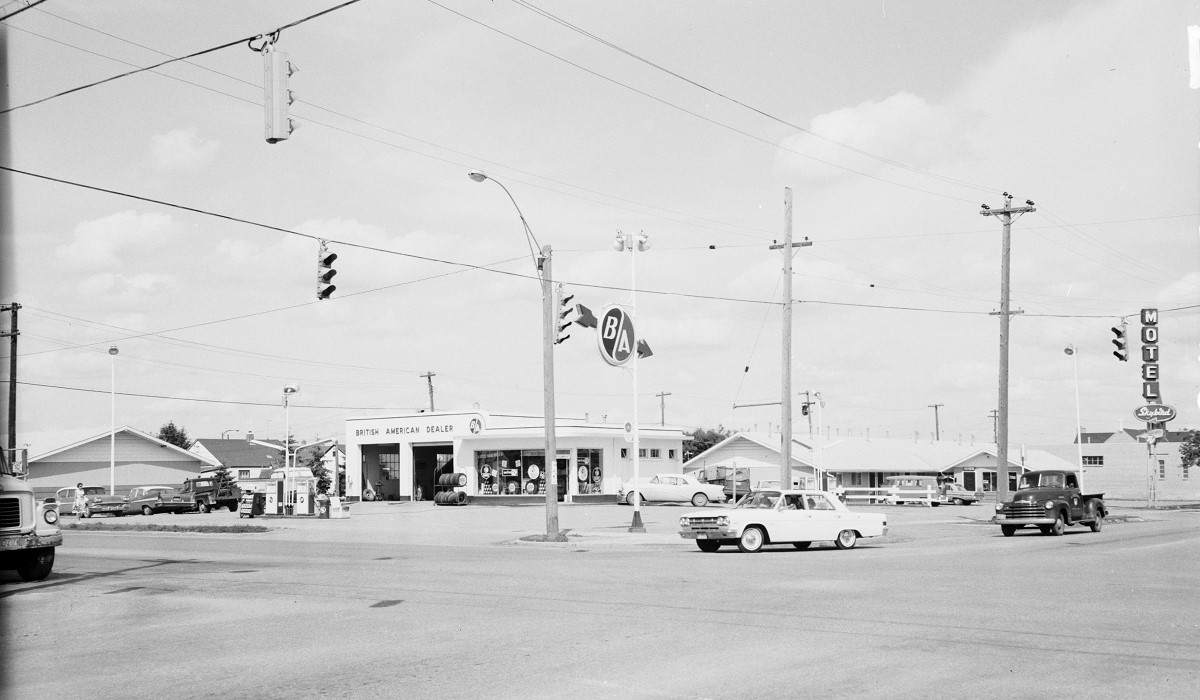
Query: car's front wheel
x=631 y=497
x=700 y=500
x=752 y=540
x=958 y=501
x=846 y=539
x=147 y=510
x=202 y=507
x=708 y=545
x=1008 y=530
x=1059 y=526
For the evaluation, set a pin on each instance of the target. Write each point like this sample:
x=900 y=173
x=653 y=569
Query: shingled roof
x=240 y=454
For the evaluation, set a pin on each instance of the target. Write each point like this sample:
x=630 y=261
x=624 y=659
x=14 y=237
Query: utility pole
x=429 y=377
x=785 y=420
x=662 y=407
x=549 y=336
x=12 y=374
x=937 y=430
x=992 y=414
x=1006 y=217
x=807 y=410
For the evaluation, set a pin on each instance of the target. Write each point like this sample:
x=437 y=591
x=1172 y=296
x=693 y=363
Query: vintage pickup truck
x=1051 y=500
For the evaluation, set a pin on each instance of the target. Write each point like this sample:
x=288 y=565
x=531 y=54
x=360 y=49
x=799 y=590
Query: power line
x=175 y=60
x=107 y=392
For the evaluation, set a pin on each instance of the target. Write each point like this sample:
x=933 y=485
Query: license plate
x=701 y=536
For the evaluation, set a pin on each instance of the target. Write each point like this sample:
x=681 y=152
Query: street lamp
x=112 y=422
x=1072 y=350
x=542 y=263
x=288 y=390
x=634 y=244
x=226 y=432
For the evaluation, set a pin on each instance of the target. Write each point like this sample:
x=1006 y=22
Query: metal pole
x=636 y=525
x=112 y=422
x=1078 y=427
x=549 y=332
x=785 y=412
x=12 y=379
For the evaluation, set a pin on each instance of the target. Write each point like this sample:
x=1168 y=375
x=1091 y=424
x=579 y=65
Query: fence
x=891 y=495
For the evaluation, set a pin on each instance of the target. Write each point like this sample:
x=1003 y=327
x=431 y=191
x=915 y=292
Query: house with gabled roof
x=244 y=458
x=126 y=455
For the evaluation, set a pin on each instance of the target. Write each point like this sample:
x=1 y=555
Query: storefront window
x=589 y=471
x=511 y=472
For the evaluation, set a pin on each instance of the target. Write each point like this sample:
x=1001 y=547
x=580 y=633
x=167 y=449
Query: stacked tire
x=449 y=496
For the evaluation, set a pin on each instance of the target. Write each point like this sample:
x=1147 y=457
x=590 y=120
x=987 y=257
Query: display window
x=589 y=472
x=511 y=472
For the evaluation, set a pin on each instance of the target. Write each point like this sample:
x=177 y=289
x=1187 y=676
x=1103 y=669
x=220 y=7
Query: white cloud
x=903 y=128
x=127 y=288
x=181 y=149
x=100 y=244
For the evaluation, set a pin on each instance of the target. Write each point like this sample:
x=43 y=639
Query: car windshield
x=759 y=499
x=1032 y=481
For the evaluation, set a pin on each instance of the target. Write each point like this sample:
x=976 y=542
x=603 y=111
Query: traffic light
x=276 y=71
x=1120 y=353
x=325 y=272
x=564 y=311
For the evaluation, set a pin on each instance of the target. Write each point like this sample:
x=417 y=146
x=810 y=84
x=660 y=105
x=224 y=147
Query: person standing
x=80 y=500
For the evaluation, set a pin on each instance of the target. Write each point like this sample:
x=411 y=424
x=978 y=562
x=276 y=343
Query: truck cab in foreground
x=1051 y=500
x=29 y=530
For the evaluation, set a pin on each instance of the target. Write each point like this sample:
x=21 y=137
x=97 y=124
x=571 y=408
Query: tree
x=311 y=458
x=704 y=439
x=1189 y=450
x=176 y=436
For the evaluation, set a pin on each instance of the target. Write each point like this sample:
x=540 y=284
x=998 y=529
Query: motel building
x=501 y=456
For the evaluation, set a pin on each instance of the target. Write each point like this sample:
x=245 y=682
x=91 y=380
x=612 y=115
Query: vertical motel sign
x=1150 y=355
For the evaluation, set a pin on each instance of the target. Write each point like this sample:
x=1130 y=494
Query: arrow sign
x=584 y=316
x=616 y=337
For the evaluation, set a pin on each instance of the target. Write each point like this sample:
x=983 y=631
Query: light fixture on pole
x=542 y=259
x=634 y=244
x=288 y=390
x=1073 y=352
x=226 y=432
x=112 y=422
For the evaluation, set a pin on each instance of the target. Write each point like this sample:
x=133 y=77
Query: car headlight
x=722 y=520
x=50 y=515
x=999 y=507
x=1048 y=504
x=684 y=522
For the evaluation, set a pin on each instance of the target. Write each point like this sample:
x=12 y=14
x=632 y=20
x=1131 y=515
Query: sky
x=152 y=215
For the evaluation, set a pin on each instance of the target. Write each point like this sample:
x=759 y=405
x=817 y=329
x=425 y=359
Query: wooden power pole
x=785 y=419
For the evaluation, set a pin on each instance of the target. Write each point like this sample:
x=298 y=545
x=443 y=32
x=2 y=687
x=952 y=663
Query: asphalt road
x=418 y=601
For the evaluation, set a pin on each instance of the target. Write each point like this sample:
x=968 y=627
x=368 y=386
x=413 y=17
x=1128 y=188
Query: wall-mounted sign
x=1155 y=413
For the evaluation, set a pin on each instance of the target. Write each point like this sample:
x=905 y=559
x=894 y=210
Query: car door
x=66 y=500
x=653 y=490
x=825 y=519
x=790 y=522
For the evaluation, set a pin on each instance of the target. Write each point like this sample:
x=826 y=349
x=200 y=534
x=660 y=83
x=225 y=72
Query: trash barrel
x=322 y=506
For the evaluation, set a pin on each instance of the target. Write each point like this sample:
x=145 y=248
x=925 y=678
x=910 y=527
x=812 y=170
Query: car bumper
x=10 y=543
x=118 y=508
x=718 y=534
x=1001 y=520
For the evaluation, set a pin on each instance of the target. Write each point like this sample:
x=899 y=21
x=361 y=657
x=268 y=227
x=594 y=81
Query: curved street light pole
x=542 y=263
x=112 y=422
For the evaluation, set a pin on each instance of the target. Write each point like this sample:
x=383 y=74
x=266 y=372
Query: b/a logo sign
x=616 y=336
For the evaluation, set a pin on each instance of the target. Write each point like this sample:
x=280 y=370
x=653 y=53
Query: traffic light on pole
x=276 y=71
x=1120 y=353
x=564 y=311
x=325 y=272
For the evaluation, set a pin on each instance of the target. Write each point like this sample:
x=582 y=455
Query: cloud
x=181 y=149
x=127 y=288
x=102 y=244
x=903 y=128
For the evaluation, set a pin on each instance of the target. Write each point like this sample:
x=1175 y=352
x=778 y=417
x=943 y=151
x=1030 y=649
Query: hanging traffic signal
x=1120 y=353
x=325 y=272
x=564 y=311
x=276 y=71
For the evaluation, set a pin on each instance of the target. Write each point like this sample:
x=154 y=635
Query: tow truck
x=29 y=530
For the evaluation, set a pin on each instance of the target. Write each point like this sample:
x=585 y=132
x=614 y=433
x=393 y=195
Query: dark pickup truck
x=1051 y=500
x=212 y=492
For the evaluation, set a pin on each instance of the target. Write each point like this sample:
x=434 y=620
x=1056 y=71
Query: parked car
x=954 y=494
x=66 y=497
x=149 y=500
x=793 y=517
x=102 y=503
x=681 y=488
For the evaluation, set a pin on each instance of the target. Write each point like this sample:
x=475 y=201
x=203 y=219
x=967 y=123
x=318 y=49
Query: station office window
x=1093 y=461
x=655 y=454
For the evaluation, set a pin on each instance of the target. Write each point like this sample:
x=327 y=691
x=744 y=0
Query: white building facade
x=501 y=456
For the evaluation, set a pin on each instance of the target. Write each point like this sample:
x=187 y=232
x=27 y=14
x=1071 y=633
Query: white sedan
x=798 y=518
x=680 y=488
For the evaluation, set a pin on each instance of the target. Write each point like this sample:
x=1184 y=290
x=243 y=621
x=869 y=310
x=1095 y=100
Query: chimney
x=249 y=435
